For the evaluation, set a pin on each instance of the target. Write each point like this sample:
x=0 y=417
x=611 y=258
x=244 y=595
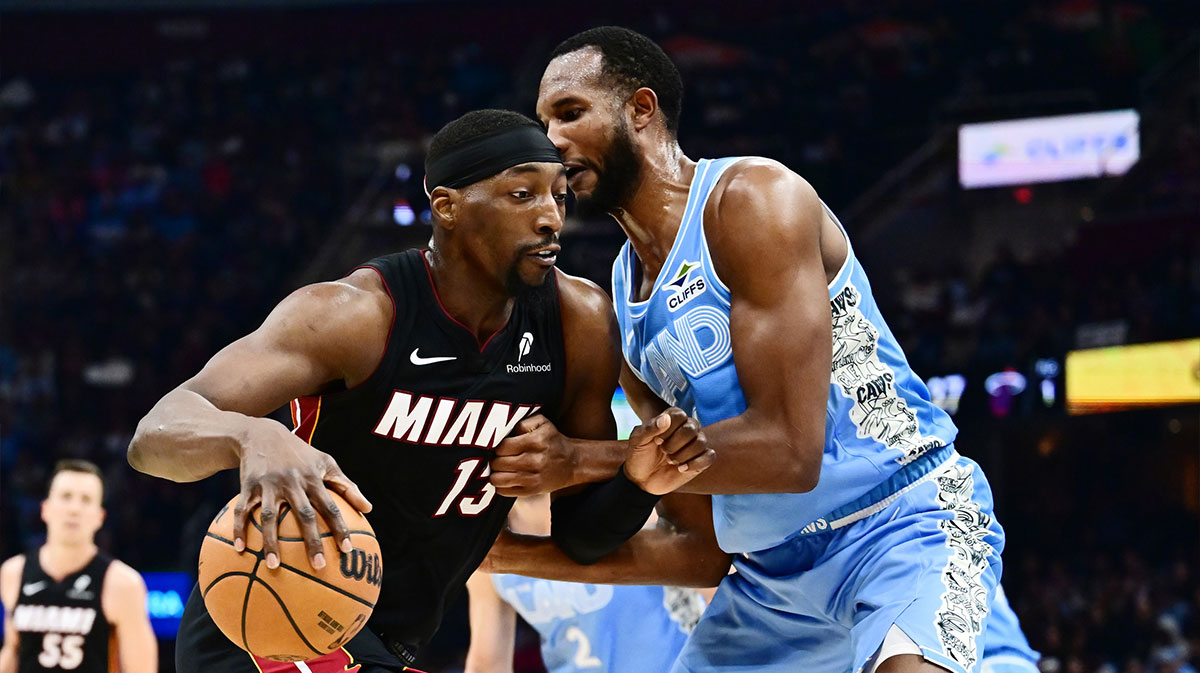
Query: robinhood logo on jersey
x=524 y=347
x=684 y=287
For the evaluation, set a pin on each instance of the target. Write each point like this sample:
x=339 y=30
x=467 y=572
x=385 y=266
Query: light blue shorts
x=925 y=558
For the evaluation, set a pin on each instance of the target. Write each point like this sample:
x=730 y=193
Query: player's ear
x=443 y=203
x=643 y=105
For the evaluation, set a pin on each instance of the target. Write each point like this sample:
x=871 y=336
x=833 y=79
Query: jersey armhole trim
x=368 y=382
x=839 y=277
x=711 y=263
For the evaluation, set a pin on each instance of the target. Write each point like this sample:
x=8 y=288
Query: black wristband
x=589 y=525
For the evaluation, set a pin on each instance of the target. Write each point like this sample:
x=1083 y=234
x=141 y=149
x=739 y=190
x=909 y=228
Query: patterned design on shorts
x=879 y=411
x=684 y=606
x=965 y=602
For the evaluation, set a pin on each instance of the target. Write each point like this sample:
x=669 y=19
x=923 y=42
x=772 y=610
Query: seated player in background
x=594 y=627
x=67 y=605
x=404 y=376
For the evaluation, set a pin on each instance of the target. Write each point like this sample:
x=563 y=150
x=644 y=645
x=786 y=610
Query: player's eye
x=570 y=114
x=522 y=194
x=561 y=197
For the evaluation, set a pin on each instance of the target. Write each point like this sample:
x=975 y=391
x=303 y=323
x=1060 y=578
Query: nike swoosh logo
x=418 y=360
x=31 y=589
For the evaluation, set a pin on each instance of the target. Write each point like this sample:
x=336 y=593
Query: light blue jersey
x=598 y=628
x=880 y=417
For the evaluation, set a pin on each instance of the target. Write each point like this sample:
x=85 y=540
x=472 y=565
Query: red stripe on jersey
x=306 y=411
x=334 y=662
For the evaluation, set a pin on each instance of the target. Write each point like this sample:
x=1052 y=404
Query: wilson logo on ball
x=360 y=565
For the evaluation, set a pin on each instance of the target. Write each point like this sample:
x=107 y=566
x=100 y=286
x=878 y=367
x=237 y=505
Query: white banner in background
x=1047 y=149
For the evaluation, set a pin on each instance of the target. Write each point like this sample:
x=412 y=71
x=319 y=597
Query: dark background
x=169 y=171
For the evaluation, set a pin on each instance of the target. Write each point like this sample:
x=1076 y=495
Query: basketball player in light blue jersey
x=862 y=539
x=584 y=628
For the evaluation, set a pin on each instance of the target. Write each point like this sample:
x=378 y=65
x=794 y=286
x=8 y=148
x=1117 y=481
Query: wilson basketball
x=293 y=612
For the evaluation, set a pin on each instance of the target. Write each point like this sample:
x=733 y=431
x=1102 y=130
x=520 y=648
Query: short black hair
x=475 y=124
x=631 y=61
x=77 y=465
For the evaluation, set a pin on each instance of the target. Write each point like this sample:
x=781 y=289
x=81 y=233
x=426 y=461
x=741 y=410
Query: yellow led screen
x=1133 y=377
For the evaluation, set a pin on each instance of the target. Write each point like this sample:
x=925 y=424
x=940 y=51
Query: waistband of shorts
x=920 y=470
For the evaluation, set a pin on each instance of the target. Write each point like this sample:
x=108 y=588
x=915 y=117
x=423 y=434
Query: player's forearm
x=186 y=438
x=760 y=455
x=597 y=460
x=655 y=556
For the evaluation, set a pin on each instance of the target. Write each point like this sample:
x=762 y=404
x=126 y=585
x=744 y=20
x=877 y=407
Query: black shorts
x=201 y=648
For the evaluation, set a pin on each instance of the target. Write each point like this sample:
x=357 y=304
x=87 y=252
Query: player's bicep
x=782 y=345
x=8 y=653
x=125 y=607
x=10 y=587
x=593 y=361
x=300 y=348
x=768 y=252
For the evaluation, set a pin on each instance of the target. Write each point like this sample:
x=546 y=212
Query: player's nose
x=554 y=133
x=550 y=218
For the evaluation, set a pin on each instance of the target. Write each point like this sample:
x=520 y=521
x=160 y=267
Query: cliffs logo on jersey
x=683 y=287
x=421 y=419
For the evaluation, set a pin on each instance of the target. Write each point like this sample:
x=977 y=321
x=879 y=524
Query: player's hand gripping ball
x=291 y=613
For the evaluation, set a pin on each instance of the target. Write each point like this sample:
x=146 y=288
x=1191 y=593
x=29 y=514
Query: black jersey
x=418 y=436
x=61 y=625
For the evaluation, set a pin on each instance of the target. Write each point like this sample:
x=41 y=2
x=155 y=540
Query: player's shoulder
x=359 y=294
x=759 y=205
x=359 y=301
x=12 y=568
x=14 y=564
x=588 y=319
x=757 y=182
x=121 y=577
x=10 y=577
x=581 y=299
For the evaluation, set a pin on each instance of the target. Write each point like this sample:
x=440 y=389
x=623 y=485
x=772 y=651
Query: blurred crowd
x=152 y=215
x=1105 y=290
x=1110 y=610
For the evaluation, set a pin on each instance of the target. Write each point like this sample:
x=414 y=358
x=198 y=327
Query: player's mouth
x=546 y=256
x=574 y=171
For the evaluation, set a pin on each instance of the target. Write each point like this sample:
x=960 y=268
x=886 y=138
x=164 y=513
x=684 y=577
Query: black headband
x=484 y=157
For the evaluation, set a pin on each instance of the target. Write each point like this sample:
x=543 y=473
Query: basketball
x=293 y=612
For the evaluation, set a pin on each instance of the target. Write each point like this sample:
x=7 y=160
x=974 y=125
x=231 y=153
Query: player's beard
x=615 y=184
x=538 y=296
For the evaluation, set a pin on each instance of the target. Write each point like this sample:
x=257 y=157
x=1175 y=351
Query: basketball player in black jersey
x=69 y=606
x=403 y=377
